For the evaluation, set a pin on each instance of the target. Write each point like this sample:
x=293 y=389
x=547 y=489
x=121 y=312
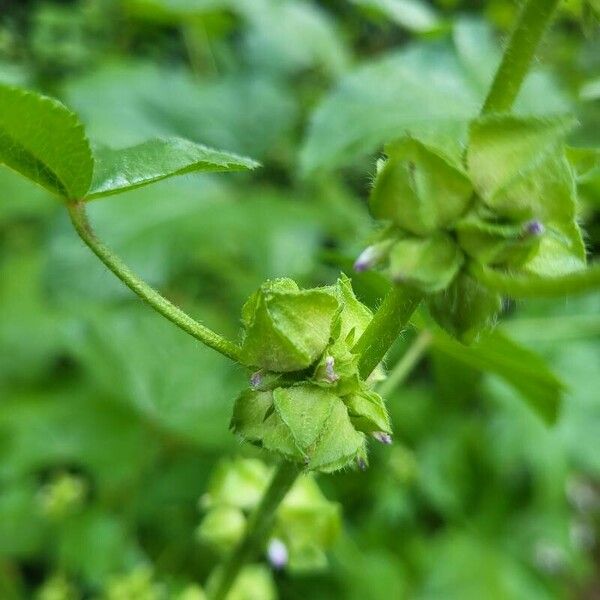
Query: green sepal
x=286 y=329
x=561 y=251
x=428 y=264
x=418 y=189
x=519 y=168
x=493 y=243
x=222 y=527
x=367 y=412
x=311 y=425
x=465 y=309
x=249 y=413
x=354 y=316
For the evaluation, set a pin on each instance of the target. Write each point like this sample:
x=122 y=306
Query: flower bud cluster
x=306 y=523
x=508 y=204
x=306 y=400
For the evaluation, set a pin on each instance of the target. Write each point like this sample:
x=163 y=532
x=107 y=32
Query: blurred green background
x=111 y=420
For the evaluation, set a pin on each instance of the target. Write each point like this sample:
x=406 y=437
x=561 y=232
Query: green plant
x=498 y=219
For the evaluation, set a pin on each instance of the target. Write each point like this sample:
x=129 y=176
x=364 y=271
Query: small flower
x=330 y=373
x=382 y=437
x=535 y=228
x=256 y=379
x=277 y=554
x=361 y=463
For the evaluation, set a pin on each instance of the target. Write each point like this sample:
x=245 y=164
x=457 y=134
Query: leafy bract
x=117 y=171
x=518 y=167
x=44 y=141
x=504 y=149
x=431 y=90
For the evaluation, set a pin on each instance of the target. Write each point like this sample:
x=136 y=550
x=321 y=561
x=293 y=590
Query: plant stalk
x=406 y=364
x=387 y=323
x=146 y=292
x=533 y=21
x=257 y=529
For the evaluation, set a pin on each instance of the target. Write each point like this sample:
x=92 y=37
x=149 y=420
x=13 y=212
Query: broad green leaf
x=123 y=104
x=117 y=171
x=414 y=15
x=291 y=36
x=429 y=90
x=174 y=11
x=44 y=141
x=523 y=369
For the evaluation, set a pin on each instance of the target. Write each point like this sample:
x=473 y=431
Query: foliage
x=112 y=420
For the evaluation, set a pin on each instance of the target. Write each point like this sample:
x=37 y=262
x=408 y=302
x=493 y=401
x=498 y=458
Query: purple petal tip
x=535 y=227
x=382 y=437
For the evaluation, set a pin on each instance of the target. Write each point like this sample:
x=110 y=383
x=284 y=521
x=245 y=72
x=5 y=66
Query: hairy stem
x=533 y=21
x=146 y=292
x=259 y=526
x=389 y=320
x=406 y=364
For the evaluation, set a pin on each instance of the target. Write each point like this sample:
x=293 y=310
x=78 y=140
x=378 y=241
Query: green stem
x=386 y=325
x=406 y=364
x=258 y=527
x=533 y=21
x=146 y=292
x=517 y=285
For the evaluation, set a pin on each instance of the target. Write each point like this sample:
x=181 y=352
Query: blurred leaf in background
x=111 y=420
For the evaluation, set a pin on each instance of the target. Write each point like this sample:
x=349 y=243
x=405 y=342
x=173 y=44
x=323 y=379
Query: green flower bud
x=254 y=582
x=429 y=264
x=287 y=329
x=496 y=244
x=418 y=190
x=238 y=483
x=465 y=309
x=62 y=496
x=308 y=524
x=222 y=527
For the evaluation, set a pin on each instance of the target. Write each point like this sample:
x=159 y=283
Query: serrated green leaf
x=118 y=171
x=44 y=141
x=520 y=367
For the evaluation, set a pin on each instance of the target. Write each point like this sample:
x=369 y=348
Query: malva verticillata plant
x=459 y=231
